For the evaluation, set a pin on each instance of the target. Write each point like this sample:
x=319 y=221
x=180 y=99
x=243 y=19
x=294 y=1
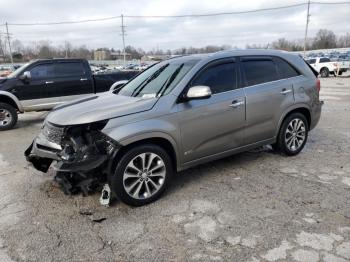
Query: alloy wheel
x=5 y=117
x=144 y=175
x=295 y=134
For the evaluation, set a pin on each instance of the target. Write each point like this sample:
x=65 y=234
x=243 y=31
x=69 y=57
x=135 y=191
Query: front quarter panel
x=159 y=122
x=146 y=129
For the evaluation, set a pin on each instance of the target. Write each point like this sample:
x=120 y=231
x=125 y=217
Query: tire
x=136 y=185
x=324 y=72
x=340 y=73
x=8 y=116
x=286 y=134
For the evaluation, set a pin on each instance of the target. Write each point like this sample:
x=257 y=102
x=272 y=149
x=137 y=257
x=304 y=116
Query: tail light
x=318 y=84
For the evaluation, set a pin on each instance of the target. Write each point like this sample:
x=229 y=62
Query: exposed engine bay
x=78 y=154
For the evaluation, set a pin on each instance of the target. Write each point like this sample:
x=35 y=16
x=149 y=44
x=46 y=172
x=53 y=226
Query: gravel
x=254 y=206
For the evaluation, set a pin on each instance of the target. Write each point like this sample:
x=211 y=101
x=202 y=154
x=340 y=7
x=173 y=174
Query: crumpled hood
x=98 y=107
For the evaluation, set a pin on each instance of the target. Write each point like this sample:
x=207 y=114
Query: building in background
x=102 y=54
x=119 y=56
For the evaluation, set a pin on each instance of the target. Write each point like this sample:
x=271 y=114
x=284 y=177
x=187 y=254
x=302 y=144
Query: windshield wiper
x=138 y=89
x=169 y=81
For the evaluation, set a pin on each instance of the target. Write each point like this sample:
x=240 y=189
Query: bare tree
x=324 y=39
x=344 y=40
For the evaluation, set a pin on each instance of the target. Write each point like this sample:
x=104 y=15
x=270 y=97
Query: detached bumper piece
x=80 y=158
x=75 y=183
x=40 y=163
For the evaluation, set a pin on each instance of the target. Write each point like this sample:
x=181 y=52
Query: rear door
x=72 y=80
x=214 y=125
x=269 y=92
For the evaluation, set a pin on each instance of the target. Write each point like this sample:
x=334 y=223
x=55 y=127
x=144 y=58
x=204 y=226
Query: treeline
x=324 y=39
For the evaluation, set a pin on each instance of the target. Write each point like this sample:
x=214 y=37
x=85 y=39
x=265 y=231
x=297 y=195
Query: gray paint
x=202 y=130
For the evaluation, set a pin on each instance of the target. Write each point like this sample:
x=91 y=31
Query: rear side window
x=324 y=60
x=285 y=69
x=311 y=61
x=259 y=71
x=220 y=78
x=69 y=69
x=42 y=71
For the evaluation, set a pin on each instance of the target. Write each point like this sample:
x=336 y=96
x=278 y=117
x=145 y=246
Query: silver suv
x=177 y=114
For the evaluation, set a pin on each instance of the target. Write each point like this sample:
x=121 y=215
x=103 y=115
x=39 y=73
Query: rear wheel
x=142 y=175
x=293 y=134
x=8 y=116
x=324 y=72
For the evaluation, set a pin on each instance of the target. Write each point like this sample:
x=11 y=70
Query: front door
x=33 y=93
x=214 y=125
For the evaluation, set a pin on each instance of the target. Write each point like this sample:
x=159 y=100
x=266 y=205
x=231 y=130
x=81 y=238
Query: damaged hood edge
x=97 y=108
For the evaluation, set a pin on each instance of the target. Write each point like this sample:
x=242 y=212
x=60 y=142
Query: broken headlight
x=86 y=142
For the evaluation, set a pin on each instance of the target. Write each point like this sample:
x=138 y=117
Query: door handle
x=236 y=103
x=49 y=82
x=83 y=79
x=286 y=91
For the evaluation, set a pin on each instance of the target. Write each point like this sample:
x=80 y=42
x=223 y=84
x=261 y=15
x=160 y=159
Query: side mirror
x=25 y=76
x=117 y=85
x=198 y=92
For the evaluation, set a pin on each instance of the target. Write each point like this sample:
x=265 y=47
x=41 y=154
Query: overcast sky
x=167 y=33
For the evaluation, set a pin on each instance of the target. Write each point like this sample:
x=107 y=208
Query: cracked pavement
x=255 y=206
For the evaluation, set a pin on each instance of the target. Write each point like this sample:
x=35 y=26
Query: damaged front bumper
x=80 y=155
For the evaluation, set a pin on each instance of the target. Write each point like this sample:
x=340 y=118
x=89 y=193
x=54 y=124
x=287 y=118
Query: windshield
x=158 y=80
x=17 y=71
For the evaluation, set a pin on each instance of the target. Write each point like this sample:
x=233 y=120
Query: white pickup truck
x=324 y=66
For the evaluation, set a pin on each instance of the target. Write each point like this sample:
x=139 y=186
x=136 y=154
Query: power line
x=178 y=16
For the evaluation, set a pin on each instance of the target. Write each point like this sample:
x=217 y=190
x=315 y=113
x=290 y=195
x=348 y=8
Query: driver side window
x=220 y=78
x=42 y=71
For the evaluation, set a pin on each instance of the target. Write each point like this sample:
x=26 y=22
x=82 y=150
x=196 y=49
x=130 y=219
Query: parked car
x=5 y=70
x=324 y=66
x=44 y=84
x=177 y=114
x=142 y=66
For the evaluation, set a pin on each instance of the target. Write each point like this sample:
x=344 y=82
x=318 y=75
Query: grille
x=53 y=134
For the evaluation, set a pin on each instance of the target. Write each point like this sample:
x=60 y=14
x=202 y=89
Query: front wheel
x=142 y=175
x=293 y=134
x=8 y=116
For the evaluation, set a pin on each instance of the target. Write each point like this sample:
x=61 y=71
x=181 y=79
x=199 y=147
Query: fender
x=288 y=110
x=152 y=128
x=14 y=98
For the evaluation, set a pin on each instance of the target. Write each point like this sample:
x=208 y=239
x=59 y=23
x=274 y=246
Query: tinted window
x=259 y=71
x=220 y=78
x=69 y=69
x=324 y=60
x=159 y=79
x=285 y=69
x=42 y=71
x=311 y=61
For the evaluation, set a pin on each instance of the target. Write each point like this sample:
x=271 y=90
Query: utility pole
x=307 y=25
x=2 y=53
x=123 y=36
x=9 y=42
